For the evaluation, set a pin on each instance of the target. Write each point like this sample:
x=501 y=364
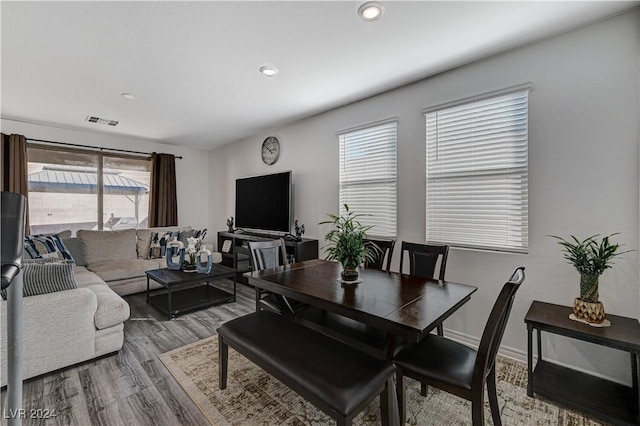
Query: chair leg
x=401 y=394
x=477 y=406
x=387 y=400
x=343 y=421
x=258 y=292
x=493 y=397
x=223 y=357
x=424 y=389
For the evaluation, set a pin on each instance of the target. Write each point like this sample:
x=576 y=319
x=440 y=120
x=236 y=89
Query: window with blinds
x=477 y=173
x=368 y=176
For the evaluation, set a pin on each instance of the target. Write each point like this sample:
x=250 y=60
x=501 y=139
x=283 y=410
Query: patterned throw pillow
x=192 y=233
x=42 y=276
x=159 y=242
x=46 y=246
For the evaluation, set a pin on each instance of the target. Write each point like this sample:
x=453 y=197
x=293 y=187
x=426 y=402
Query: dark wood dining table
x=401 y=305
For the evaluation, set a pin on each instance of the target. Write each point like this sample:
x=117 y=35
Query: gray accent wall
x=583 y=174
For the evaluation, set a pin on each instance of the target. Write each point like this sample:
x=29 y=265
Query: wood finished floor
x=132 y=387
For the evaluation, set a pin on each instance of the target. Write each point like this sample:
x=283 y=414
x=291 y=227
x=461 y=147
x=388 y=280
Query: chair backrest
x=423 y=259
x=267 y=254
x=496 y=324
x=387 y=252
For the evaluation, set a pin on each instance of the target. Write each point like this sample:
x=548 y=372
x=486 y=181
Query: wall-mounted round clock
x=270 y=150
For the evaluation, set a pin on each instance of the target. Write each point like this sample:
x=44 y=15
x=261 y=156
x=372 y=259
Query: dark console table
x=237 y=257
x=606 y=400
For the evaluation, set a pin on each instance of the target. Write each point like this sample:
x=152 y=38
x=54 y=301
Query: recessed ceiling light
x=128 y=95
x=269 y=71
x=371 y=11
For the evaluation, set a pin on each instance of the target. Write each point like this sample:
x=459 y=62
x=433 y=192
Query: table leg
x=635 y=360
x=147 y=288
x=539 y=343
x=169 y=303
x=391 y=341
x=257 y=299
x=530 y=359
x=234 y=287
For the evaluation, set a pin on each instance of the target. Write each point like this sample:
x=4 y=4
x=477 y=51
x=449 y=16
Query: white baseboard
x=520 y=355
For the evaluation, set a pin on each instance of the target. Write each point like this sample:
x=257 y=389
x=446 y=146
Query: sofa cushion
x=42 y=276
x=121 y=269
x=112 y=309
x=47 y=246
x=144 y=238
x=101 y=246
x=85 y=277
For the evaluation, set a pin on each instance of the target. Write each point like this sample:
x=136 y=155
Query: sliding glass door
x=74 y=189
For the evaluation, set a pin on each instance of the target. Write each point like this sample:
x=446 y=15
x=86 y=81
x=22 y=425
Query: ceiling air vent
x=98 y=120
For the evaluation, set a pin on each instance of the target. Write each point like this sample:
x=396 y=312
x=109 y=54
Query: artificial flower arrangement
x=191 y=251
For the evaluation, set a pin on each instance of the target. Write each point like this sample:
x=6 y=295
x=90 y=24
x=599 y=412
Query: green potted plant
x=591 y=258
x=347 y=243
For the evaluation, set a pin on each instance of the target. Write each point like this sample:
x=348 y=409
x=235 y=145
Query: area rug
x=254 y=397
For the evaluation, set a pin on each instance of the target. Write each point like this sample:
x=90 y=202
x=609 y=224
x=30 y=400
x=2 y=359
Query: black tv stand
x=237 y=257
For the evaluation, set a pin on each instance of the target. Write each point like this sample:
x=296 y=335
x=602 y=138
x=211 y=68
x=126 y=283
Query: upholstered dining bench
x=338 y=379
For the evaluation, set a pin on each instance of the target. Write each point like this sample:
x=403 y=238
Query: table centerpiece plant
x=591 y=258
x=191 y=253
x=348 y=243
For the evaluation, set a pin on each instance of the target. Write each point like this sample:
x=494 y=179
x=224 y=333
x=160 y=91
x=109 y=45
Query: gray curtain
x=163 y=203
x=13 y=154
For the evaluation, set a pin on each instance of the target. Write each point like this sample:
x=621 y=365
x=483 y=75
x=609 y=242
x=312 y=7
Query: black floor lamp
x=12 y=207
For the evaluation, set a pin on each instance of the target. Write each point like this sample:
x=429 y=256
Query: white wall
x=193 y=187
x=583 y=174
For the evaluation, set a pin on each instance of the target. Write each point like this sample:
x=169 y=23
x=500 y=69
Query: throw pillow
x=144 y=238
x=191 y=233
x=46 y=246
x=159 y=240
x=41 y=276
x=74 y=245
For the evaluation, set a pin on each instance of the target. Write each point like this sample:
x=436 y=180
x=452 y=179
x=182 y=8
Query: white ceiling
x=193 y=66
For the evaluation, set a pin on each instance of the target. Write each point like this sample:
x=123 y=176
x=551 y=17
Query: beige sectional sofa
x=68 y=327
x=119 y=258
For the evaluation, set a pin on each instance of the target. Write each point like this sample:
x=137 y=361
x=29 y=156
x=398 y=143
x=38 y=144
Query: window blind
x=477 y=174
x=368 y=176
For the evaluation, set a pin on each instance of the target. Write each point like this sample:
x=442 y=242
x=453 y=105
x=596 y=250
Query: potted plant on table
x=591 y=258
x=348 y=245
x=191 y=254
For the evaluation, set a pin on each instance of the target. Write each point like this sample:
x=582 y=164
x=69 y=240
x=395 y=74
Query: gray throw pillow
x=74 y=245
x=41 y=276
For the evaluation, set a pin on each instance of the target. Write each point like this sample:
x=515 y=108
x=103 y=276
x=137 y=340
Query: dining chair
x=265 y=255
x=459 y=369
x=423 y=260
x=386 y=246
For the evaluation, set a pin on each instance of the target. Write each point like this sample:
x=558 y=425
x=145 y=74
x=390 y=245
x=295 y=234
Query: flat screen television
x=264 y=202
